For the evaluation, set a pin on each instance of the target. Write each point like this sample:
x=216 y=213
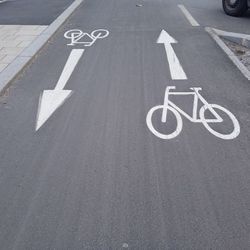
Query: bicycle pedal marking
x=77 y=36
x=198 y=116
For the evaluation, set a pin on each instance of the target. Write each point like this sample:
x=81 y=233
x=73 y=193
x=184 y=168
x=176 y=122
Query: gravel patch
x=242 y=52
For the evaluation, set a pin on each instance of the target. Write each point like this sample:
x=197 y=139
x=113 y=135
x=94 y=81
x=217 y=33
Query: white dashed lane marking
x=189 y=17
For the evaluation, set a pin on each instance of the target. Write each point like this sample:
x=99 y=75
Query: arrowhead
x=50 y=101
x=164 y=37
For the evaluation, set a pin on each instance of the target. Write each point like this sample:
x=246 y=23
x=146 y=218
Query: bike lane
x=94 y=176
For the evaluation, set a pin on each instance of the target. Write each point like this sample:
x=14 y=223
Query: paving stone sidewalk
x=14 y=39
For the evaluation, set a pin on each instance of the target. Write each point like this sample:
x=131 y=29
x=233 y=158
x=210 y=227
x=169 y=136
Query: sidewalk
x=20 y=43
x=14 y=39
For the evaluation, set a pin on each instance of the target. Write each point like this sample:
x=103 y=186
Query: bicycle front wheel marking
x=100 y=33
x=236 y=130
x=158 y=134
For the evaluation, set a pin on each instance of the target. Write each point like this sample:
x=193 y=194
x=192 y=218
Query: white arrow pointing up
x=51 y=100
x=176 y=70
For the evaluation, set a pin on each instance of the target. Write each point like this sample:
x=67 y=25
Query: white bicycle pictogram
x=169 y=106
x=75 y=35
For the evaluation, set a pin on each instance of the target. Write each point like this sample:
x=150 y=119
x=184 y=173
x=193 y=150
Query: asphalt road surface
x=94 y=176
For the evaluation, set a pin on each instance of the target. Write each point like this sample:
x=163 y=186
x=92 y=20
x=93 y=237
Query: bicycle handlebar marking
x=177 y=112
x=77 y=36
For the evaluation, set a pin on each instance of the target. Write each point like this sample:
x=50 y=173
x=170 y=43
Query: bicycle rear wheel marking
x=158 y=134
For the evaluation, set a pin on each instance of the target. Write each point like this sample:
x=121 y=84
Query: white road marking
x=51 y=100
x=189 y=17
x=169 y=106
x=231 y=34
x=158 y=134
x=79 y=37
x=232 y=135
x=176 y=70
x=71 y=63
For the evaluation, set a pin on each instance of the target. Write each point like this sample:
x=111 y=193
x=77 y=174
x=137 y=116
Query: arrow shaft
x=176 y=70
x=69 y=67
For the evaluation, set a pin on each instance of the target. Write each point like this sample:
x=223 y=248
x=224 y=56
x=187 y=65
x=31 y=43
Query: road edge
x=22 y=60
x=239 y=38
x=230 y=54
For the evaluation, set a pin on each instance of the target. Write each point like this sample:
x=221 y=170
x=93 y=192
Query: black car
x=235 y=7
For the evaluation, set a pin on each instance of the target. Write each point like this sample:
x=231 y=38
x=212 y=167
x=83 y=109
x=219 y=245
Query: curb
x=215 y=34
x=241 y=39
x=9 y=74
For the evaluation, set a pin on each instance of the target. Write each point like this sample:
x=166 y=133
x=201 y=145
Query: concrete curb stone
x=217 y=34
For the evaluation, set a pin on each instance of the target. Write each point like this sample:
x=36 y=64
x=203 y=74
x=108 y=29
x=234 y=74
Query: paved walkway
x=14 y=39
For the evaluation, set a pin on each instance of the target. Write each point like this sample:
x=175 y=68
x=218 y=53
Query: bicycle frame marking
x=197 y=97
x=75 y=36
x=169 y=106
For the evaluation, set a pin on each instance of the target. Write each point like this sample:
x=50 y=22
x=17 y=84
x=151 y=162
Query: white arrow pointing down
x=51 y=100
x=176 y=70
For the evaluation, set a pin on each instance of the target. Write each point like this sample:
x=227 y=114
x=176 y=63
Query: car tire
x=236 y=9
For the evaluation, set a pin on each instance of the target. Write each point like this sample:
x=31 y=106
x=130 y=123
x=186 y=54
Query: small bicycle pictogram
x=77 y=36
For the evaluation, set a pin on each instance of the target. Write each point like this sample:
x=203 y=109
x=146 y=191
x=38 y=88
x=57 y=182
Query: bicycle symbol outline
x=75 y=35
x=177 y=111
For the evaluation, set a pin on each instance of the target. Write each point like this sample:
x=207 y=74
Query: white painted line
x=51 y=100
x=69 y=67
x=232 y=34
x=176 y=70
x=239 y=38
x=189 y=17
x=230 y=54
